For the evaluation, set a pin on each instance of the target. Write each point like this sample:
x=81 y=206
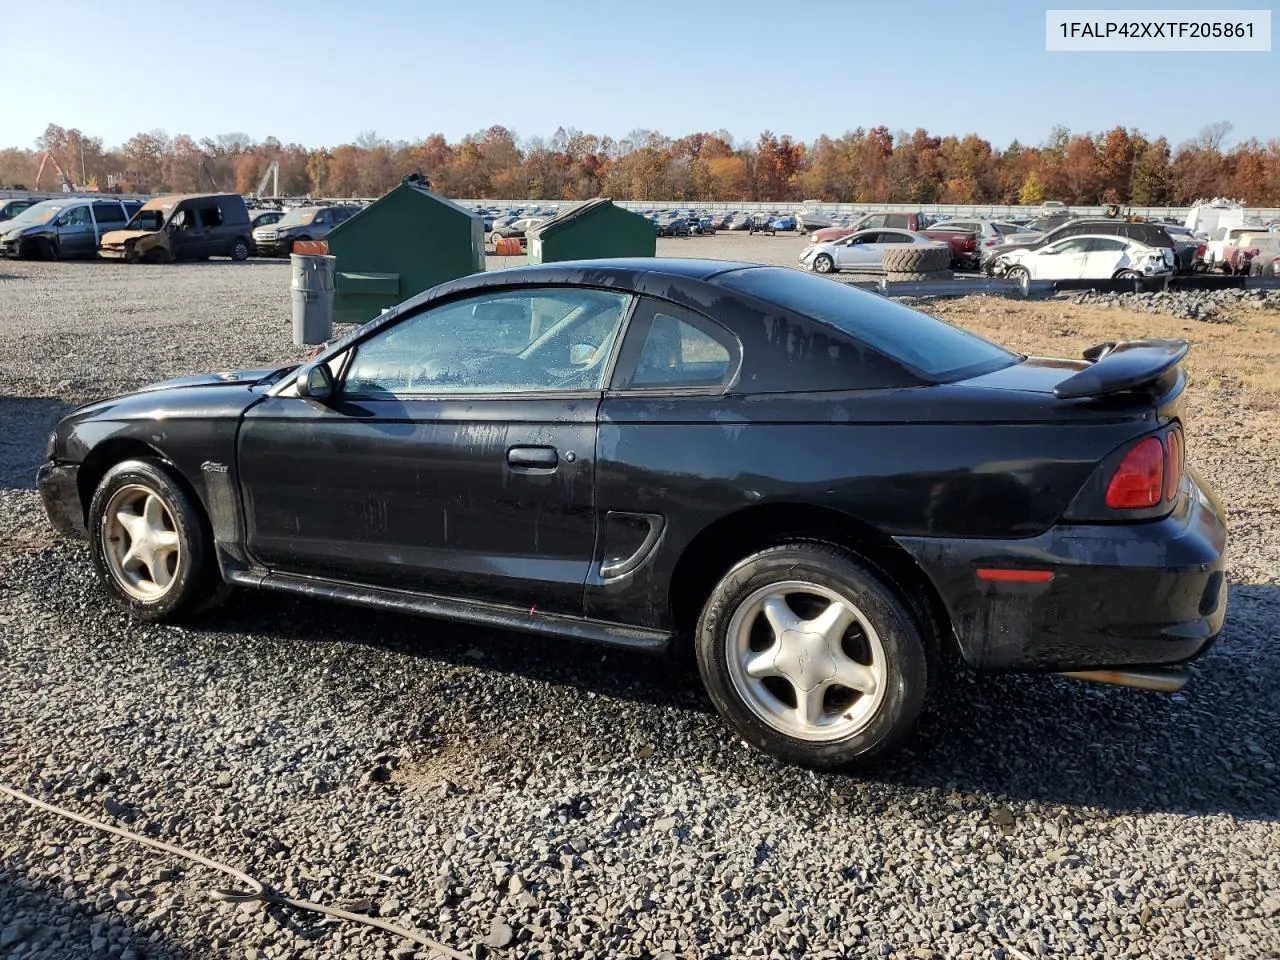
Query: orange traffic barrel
x=507 y=246
x=311 y=248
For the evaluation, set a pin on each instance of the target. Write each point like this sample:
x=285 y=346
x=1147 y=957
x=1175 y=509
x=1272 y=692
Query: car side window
x=108 y=213
x=894 y=238
x=76 y=217
x=540 y=339
x=210 y=215
x=1106 y=244
x=670 y=347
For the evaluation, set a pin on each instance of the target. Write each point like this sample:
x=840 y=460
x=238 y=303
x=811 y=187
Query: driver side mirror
x=316 y=383
x=581 y=353
x=61 y=222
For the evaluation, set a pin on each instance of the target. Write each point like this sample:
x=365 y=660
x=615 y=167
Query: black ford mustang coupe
x=824 y=491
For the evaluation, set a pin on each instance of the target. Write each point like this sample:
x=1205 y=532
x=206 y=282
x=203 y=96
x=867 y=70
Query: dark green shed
x=593 y=229
x=404 y=242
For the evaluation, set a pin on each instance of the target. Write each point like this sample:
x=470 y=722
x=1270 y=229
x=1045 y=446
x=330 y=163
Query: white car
x=861 y=252
x=1088 y=257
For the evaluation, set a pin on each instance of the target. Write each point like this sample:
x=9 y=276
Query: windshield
x=930 y=347
x=150 y=220
x=42 y=212
x=297 y=218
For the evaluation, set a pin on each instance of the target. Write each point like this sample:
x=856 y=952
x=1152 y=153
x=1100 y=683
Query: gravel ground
x=518 y=798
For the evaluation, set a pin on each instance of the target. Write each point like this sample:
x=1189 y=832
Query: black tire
x=823 y=263
x=30 y=249
x=195 y=584
x=240 y=249
x=1017 y=273
x=904 y=644
x=916 y=259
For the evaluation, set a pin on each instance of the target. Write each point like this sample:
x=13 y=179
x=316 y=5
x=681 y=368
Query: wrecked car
x=187 y=227
x=824 y=495
x=63 y=228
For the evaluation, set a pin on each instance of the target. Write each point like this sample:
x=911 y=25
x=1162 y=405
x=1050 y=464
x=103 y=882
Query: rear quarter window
x=934 y=350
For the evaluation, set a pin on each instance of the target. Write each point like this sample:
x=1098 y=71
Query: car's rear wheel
x=822 y=263
x=1017 y=274
x=149 y=543
x=240 y=249
x=812 y=657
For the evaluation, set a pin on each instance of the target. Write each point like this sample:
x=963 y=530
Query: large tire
x=779 y=685
x=916 y=259
x=150 y=544
x=919 y=277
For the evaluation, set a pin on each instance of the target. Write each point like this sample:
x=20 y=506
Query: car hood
x=123 y=236
x=225 y=378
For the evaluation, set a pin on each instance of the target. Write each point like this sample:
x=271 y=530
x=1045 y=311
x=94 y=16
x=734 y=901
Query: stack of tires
x=916 y=263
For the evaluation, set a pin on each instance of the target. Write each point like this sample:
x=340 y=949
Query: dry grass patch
x=1241 y=355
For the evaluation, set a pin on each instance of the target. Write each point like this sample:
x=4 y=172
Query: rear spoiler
x=1122 y=365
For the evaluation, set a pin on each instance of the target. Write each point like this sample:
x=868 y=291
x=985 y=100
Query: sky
x=321 y=72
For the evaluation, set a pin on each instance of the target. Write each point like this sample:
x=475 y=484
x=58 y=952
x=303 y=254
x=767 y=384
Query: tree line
x=862 y=166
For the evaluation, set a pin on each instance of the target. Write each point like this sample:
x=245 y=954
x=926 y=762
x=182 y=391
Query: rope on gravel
x=251 y=890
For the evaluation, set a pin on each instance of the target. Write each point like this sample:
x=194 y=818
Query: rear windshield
x=931 y=348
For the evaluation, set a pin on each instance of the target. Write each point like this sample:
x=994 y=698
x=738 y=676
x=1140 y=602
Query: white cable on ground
x=253 y=889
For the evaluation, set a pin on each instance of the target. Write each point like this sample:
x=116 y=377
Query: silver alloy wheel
x=140 y=542
x=806 y=660
x=823 y=263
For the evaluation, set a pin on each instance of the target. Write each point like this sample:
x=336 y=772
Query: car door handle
x=539 y=458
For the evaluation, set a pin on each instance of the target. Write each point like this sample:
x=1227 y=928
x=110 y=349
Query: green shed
x=590 y=230
x=404 y=242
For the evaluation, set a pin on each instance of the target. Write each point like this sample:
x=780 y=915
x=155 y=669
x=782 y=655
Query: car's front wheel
x=149 y=543
x=812 y=657
x=1017 y=274
x=822 y=263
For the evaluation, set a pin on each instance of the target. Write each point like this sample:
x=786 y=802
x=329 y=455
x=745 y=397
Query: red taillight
x=1139 y=480
x=1174 y=464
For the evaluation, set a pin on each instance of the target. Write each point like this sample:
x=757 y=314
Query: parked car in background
x=894 y=493
x=861 y=252
x=1088 y=257
x=1053 y=208
x=988 y=234
x=183 y=227
x=1215 y=254
x=914 y=222
x=517 y=229
x=783 y=223
x=301 y=223
x=1142 y=231
x=739 y=221
x=1189 y=248
x=63 y=228
x=1237 y=255
x=1266 y=262
x=673 y=227
x=11 y=208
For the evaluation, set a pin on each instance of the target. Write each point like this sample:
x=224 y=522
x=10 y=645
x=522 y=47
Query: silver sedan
x=860 y=252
